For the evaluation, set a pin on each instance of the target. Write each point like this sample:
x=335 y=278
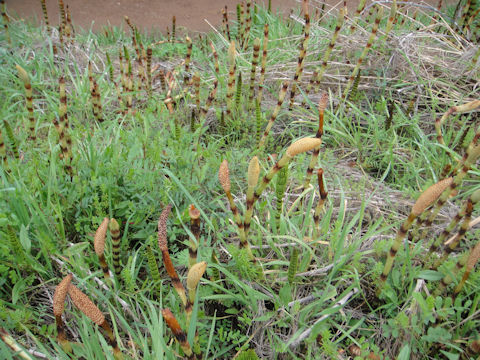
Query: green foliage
x=131 y=166
x=248 y=355
x=292 y=267
x=242 y=263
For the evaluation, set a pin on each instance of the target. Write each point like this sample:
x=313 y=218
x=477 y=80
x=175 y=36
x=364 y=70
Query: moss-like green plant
x=238 y=92
x=292 y=267
x=152 y=262
x=11 y=138
x=128 y=277
x=280 y=193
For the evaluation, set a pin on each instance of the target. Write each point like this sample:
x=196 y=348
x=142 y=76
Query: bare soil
x=148 y=14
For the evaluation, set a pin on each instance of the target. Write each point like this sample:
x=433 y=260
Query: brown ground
x=146 y=13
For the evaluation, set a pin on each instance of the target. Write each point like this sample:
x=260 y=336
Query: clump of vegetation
x=103 y=147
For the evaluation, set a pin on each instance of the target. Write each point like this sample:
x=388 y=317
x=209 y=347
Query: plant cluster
x=108 y=139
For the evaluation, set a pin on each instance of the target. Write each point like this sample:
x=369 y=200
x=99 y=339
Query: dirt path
x=146 y=13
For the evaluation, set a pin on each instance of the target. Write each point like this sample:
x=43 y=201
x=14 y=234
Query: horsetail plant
x=391 y=18
x=210 y=100
x=248 y=22
x=449 y=277
x=231 y=78
x=460 y=109
x=252 y=181
x=302 y=55
x=299 y=146
x=28 y=100
x=99 y=245
x=215 y=60
x=326 y=55
x=322 y=105
x=360 y=7
x=97 y=103
x=114 y=228
x=259 y=122
x=58 y=307
x=179 y=334
x=193 y=278
x=196 y=87
x=194 y=215
x=225 y=23
x=320 y=203
x=293 y=265
x=224 y=179
x=6 y=20
x=188 y=58
x=280 y=193
x=281 y=98
x=363 y=55
x=149 y=69
x=167 y=261
x=451 y=245
x=472 y=154
x=256 y=50
x=464 y=213
x=89 y=309
x=110 y=67
x=240 y=24
x=471 y=261
x=427 y=198
x=70 y=30
x=63 y=18
x=238 y=92
x=45 y=15
x=62 y=127
x=263 y=66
